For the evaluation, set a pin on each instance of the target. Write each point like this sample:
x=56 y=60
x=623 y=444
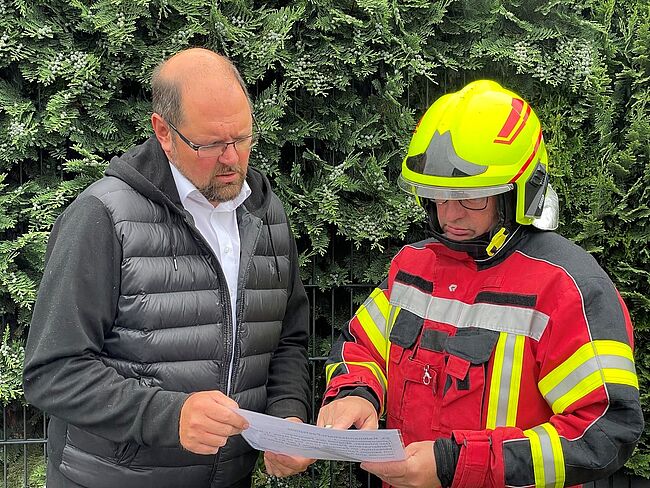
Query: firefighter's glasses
x=468 y=203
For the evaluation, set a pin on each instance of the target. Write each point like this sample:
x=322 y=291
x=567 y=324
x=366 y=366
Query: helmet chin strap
x=483 y=247
x=480 y=248
x=497 y=242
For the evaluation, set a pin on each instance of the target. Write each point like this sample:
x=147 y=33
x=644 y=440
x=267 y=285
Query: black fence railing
x=24 y=435
x=24 y=447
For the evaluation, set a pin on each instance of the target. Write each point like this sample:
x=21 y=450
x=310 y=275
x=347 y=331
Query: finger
x=214 y=440
x=372 y=468
x=218 y=420
x=223 y=415
x=328 y=415
x=344 y=421
x=295 y=420
x=291 y=462
x=283 y=471
x=272 y=467
x=370 y=423
x=384 y=470
x=199 y=448
x=206 y=438
x=278 y=470
x=283 y=465
x=322 y=421
x=215 y=428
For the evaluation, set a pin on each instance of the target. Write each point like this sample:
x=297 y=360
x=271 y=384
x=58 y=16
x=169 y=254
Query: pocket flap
x=457 y=367
x=406 y=329
x=433 y=340
x=473 y=344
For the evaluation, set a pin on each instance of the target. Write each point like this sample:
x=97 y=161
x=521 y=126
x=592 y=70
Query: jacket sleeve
x=75 y=308
x=588 y=379
x=357 y=363
x=288 y=381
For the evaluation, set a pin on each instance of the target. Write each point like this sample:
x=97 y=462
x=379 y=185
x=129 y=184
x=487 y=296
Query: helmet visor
x=443 y=193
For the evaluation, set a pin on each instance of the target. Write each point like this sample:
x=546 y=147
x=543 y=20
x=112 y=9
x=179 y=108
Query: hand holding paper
x=268 y=433
x=346 y=412
x=418 y=469
x=282 y=465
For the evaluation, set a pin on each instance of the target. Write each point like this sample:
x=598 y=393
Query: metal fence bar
x=24 y=445
x=21 y=440
x=4 y=447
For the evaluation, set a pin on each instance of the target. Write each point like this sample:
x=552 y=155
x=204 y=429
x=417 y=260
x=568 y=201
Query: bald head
x=191 y=72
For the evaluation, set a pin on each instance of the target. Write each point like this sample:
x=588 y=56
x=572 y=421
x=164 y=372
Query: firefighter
x=499 y=349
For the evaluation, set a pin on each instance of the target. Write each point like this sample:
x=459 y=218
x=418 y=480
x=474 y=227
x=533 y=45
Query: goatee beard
x=214 y=191
x=222 y=192
x=217 y=192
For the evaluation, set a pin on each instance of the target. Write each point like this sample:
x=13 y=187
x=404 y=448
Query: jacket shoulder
x=415 y=247
x=119 y=198
x=561 y=252
x=104 y=187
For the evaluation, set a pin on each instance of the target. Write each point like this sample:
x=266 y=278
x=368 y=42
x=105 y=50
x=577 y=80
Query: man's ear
x=163 y=134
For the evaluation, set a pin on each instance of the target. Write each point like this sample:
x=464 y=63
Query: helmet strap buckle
x=497 y=241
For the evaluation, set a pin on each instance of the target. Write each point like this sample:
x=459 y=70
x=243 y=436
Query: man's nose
x=229 y=156
x=455 y=210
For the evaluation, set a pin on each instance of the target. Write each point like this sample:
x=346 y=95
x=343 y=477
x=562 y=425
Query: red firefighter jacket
x=526 y=362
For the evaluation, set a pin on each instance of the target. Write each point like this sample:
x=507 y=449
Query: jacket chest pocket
x=414 y=377
x=465 y=379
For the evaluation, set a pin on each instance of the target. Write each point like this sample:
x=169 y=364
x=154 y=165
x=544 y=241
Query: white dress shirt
x=218 y=225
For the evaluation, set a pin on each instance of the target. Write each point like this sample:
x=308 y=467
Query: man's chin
x=223 y=192
x=458 y=237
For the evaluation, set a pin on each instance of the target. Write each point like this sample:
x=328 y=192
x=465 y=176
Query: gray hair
x=166 y=93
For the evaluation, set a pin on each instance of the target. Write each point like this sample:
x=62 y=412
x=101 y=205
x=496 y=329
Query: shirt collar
x=187 y=190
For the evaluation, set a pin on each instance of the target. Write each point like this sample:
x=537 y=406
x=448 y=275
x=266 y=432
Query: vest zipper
x=223 y=295
x=171 y=237
x=232 y=374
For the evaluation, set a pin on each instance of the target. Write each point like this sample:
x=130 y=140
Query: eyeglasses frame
x=442 y=202
x=196 y=147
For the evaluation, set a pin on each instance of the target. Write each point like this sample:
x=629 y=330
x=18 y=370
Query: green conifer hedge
x=338 y=87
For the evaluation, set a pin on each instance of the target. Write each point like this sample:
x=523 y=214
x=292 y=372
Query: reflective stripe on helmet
x=514 y=123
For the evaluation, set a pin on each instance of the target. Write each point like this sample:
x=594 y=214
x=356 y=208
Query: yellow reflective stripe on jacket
x=506 y=381
x=590 y=367
x=373 y=367
x=392 y=317
x=373 y=317
x=548 y=457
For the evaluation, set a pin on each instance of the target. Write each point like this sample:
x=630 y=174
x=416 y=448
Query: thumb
x=222 y=399
x=369 y=423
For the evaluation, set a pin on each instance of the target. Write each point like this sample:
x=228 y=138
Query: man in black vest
x=170 y=296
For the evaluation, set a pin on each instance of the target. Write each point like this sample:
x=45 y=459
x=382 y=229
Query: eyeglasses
x=468 y=203
x=216 y=149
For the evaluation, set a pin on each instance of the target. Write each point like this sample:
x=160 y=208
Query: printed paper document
x=268 y=433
